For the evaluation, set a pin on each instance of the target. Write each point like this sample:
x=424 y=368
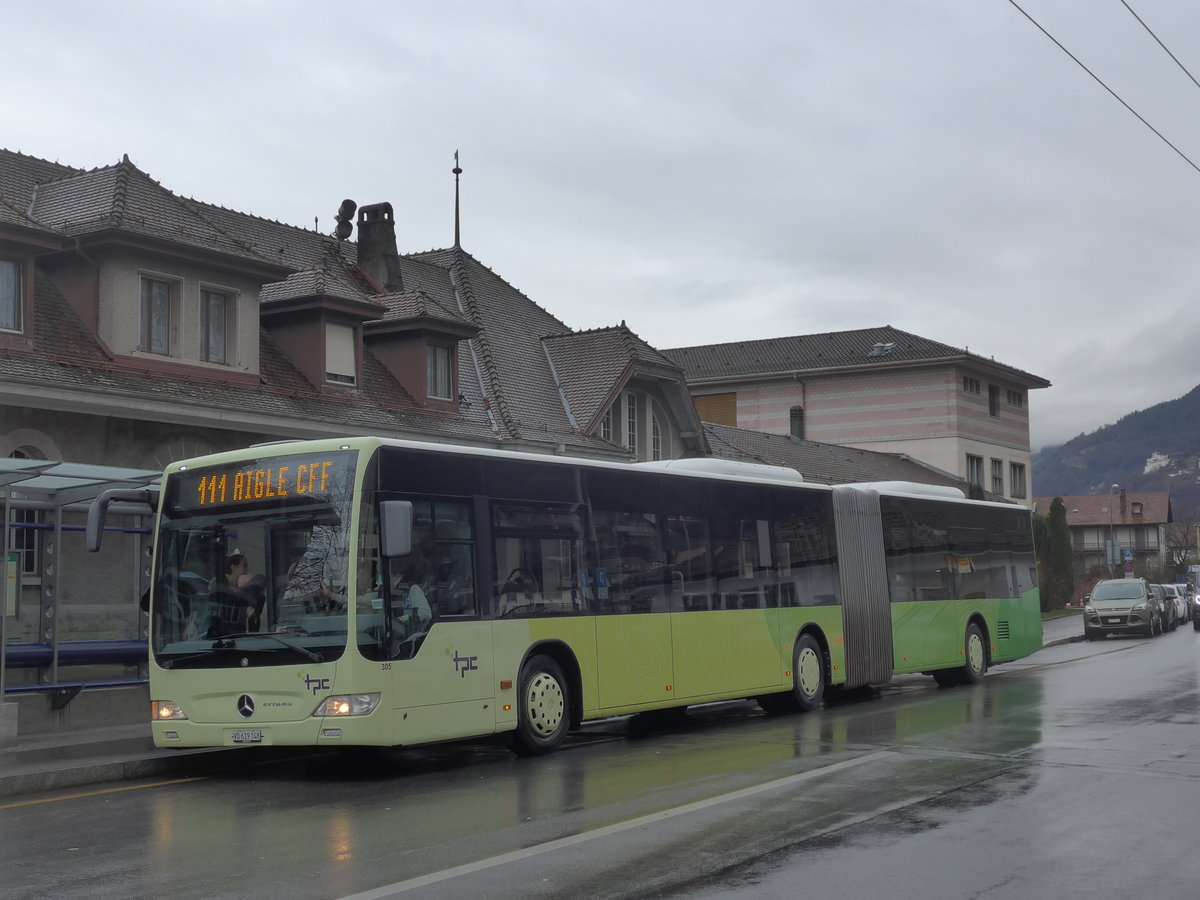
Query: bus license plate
x=248 y=736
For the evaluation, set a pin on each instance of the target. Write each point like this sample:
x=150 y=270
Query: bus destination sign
x=264 y=480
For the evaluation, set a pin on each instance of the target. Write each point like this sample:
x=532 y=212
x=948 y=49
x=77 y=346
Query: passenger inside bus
x=239 y=598
x=411 y=612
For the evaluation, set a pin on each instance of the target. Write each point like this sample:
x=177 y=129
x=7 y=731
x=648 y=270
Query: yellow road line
x=116 y=790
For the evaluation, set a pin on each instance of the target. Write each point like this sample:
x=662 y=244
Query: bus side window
x=634 y=561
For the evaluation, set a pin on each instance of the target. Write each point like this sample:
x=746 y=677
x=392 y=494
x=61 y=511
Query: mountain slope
x=1156 y=449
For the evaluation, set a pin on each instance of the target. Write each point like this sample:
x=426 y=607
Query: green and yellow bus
x=388 y=593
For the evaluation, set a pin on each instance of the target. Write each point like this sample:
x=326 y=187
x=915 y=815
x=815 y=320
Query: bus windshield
x=252 y=562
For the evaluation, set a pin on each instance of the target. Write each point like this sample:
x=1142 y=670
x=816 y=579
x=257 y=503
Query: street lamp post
x=1111 y=549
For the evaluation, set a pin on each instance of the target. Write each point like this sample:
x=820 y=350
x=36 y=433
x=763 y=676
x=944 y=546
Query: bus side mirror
x=98 y=511
x=395 y=527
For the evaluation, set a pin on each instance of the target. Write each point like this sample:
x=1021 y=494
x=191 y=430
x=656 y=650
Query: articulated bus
x=389 y=593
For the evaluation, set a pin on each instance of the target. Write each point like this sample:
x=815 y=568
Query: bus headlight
x=348 y=705
x=166 y=710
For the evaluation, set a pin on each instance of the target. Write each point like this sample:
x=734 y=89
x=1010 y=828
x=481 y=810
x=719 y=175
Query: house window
x=1016 y=398
x=796 y=422
x=655 y=438
x=631 y=422
x=970 y=385
x=156 y=316
x=975 y=470
x=993 y=400
x=438 y=381
x=606 y=425
x=214 y=325
x=1016 y=479
x=997 y=476
x=340 y=357
x=10 y=295
x=24 y=537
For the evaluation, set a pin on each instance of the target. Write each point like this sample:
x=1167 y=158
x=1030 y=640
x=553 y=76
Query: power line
x=1160 y=43
x=1098 y=81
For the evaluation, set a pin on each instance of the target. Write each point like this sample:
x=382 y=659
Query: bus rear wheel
x=543 y=710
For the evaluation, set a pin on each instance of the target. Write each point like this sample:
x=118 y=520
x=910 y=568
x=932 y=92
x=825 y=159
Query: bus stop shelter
x=50 y=488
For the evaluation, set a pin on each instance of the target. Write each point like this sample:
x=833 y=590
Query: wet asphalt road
x=1074 y=773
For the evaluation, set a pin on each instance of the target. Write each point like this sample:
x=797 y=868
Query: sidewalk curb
x=115 y=770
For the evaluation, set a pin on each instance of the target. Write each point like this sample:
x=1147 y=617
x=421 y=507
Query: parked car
x=1175 y=595
x=1195 y=610
x=1123 y=606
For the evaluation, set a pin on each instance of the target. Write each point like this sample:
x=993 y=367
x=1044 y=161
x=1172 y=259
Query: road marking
x=548 y=847
x=117 y=790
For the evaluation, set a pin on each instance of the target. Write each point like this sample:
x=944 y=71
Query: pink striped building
x=878 y=389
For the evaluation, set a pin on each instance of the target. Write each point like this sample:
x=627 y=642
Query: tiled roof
x=79 y=202
x=12 y=214
x=326 y=281
x=21 y=174
x=1094 y=509
x=507 y=388
x=589 y=366
x=831 y=350
x=822 y=463
x=418 y=305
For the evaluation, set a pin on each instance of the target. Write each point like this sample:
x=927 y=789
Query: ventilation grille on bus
x=1002 y=629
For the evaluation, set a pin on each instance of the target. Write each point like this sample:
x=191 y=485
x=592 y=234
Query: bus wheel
x=976 y=648
x=542 y=710
x=808 y=673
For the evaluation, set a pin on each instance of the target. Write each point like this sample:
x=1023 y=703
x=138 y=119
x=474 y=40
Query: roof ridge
x=462 y=255
x=120 y=194
x=494 y=394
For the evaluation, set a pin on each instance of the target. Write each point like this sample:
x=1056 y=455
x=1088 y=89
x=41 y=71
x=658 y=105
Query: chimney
x=377 y=254
x=1122 y=503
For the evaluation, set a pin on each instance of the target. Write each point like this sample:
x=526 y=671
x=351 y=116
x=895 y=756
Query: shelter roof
x=64 y=482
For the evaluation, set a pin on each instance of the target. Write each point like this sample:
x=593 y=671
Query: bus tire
x=543 y=707
x=808 y=673
x=976 y=653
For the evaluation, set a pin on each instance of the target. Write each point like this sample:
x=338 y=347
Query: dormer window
x=11 y=296
x=631 y=421
x=215 y=308
x=439 y=371
x=157 y=315
x=340 y=356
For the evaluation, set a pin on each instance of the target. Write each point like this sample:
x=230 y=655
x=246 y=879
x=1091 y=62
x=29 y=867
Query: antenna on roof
x=457 y=171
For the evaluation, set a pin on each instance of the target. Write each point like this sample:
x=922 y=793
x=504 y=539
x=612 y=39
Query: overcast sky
x=705 y=171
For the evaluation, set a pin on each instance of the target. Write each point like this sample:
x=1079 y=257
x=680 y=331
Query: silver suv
x=1123 y=606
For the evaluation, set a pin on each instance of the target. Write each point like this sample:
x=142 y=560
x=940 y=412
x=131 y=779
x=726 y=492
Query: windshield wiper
x=225 y=642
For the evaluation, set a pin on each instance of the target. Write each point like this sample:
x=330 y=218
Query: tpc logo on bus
x=316 y=685
x=464 y=664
